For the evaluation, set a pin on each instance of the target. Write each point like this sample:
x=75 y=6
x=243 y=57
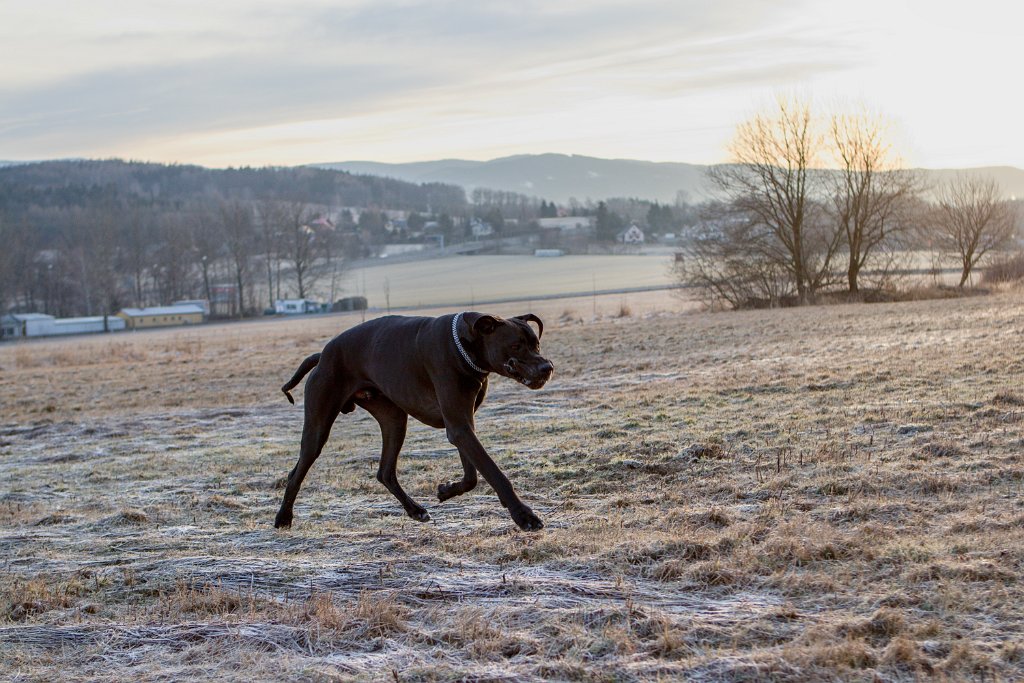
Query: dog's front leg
x=462 y=436
x=457 y=488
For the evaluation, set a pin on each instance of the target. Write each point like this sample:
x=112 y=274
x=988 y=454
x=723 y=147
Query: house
x=567 y=223
x=480 y=228
x=161 y=316
x=41 y=325
x=631 y=235
x=296 y=306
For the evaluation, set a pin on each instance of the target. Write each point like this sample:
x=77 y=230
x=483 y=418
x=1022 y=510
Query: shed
x=296 y=306
x=350 y=303
x=14 y=325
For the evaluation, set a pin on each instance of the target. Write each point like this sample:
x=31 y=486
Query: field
x=497 y=278
x=828 y=493
x=430 y=282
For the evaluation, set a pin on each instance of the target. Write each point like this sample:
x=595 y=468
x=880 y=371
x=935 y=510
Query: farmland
x=494 y=278
x=823 y=493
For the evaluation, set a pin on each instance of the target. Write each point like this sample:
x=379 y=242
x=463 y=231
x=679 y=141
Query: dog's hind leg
x=457 y=488
x=393 y=421
x=322 y=408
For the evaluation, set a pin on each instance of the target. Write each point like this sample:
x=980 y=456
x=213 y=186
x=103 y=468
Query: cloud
x=132 y=103
x=246 y=65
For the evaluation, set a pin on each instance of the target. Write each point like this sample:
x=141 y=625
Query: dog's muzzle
x=531 y=376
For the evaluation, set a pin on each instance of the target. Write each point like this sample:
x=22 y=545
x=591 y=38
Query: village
x=550 y=237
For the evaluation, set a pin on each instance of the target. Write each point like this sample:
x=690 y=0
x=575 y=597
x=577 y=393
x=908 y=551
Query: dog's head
x=510 y=347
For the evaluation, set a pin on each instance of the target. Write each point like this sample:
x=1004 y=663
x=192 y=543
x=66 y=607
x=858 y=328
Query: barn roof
x=23 y=317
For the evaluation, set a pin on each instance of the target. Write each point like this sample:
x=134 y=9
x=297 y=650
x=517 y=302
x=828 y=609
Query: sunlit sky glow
x=227 y=83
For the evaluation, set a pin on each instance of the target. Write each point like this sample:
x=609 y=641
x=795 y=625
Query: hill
x=561 y=177
x=79 y=183
x=558 y=177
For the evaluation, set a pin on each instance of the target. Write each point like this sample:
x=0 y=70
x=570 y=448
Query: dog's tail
x=306 y=366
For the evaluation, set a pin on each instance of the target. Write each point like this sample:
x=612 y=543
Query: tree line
x=91 y=237
x=811 y=205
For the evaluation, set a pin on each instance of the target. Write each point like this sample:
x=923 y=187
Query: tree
x=416 y=221
x=207 y=243
x=871 y=192
x=607 y=224
x=237 y=224
x=772 y=184
x=137 y=243
x=300 y=245
x=972 y=219
x=660 y=218
x=735 y=260
x=174 y=259
x=272 y=218
x=7 y=261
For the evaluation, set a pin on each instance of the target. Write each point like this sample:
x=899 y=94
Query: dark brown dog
x=434 y=369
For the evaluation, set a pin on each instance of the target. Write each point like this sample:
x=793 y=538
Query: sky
x=250 y=82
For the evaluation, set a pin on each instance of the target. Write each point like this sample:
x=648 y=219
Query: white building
x=295 y=306
x=15 y=325
x=88 y=325
x=18 y=325
x=481 y=229
x=631 y=235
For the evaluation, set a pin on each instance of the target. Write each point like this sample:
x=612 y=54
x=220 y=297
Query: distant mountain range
x=560 y=177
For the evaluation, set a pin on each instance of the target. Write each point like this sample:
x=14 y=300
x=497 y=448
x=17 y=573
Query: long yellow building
x=161 y=316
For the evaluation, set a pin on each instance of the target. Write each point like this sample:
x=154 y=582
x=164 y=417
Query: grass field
x=470 y=279
x=828 y=493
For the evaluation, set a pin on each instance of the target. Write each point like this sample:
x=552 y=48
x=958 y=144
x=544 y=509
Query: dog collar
x=462 y=350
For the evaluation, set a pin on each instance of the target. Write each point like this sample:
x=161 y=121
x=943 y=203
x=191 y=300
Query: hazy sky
x=225 y=82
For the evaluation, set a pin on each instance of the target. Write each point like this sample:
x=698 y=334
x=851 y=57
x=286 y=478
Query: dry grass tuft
x=1008 y=398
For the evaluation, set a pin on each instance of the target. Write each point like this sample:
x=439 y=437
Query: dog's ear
x=530 y=317
x=485 y=324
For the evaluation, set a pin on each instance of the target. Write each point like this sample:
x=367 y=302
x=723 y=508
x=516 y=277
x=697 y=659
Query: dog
x=434 y=369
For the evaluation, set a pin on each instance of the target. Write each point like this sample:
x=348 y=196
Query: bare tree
x=972 y=219
x=773 y=184
x=871 y=192
x=236 y=220
x=174 y=258
x=300 y=245
x=94 y=250
x=8 y=277
x=733 y=260
x=207 y=243
x=272 y=218
x=136 y=246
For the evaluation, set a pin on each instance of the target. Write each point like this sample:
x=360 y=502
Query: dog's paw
x=419 y=514
x=526 y=520
x=446 y=491
x=283 y=520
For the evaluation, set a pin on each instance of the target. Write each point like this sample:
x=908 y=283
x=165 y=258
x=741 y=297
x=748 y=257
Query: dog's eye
x=517 y=346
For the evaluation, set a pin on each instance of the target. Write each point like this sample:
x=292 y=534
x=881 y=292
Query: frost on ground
x=825 y=493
